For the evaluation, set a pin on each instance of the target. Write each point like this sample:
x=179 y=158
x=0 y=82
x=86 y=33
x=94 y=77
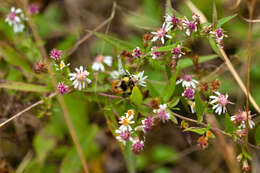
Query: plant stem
x=250 y=26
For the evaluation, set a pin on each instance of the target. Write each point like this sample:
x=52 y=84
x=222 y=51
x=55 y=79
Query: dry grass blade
x=250 y=20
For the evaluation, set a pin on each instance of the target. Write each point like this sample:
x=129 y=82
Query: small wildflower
x=123 y=135
x=80 y=77
x=40 y=67
x=173 y=20
x=202 y=142
x=220 y=102
x=187 y=82
x=61 y=65
x=218 y=36
x=125 y=121
x=215 y=85
x=137 y=146
x=137 y=53
x=196 y=18
x=241 y=132
x=173 y=63
x=62 y=88
x=240 y=119
x=204 y=86
x=239 y=157
x=100 y=59
x=147 y=124
x=192 y=106
x=177 y=52
x=189 y=26
x=33 y=9
x=55 y=54
x=161 y=33
x=115 y=74
x=155 y=55
x=14 y=18
x=154 y=103
x=189 y=93
x=245 y=166
x=140 y=79
x=163 y=115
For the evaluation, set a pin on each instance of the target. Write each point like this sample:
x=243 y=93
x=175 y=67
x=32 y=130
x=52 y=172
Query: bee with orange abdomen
x=123 y=86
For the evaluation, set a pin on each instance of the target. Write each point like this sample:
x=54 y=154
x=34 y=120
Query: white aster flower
x=61 y=65
x=100 y=59
x=240 y=118
x=14 y=18
x=187 y=81
x=220 y=101
x=140 y=79
x=125 y=121
x=162 y=32
x=163 y=115
x=80 y=77
x=123 y=135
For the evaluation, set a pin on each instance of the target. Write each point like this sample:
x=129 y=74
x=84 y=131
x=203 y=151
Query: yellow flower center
x=125 y=122
x=62 y=65
x=130 y=112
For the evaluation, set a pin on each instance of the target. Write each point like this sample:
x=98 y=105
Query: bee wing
x=120 y=66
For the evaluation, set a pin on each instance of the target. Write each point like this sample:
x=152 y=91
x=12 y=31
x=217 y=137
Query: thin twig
x=87 y=36
x=25 y=110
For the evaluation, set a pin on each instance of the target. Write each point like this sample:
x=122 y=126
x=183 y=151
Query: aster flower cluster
x=126 y=132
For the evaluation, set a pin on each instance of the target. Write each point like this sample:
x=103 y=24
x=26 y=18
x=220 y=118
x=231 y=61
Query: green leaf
x=245 y=154
x=119 y=44
x=12 y=57
x=174 y=102
x=225 y=20
x=229 y=125
x=214 y=46
x=163 y=153
x=197 y=130
x=24 y=87
x=43 y=143
x=169 y=89
x=257 y=135
x=152 y=90
x=129 y=158
x=187 y=62
x=165 y=48
x=199 y=107
x=71 y=162
x=136 y=96
x=173 y=118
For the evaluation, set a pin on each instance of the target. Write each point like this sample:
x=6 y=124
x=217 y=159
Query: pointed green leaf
x=169 y=89
x=187 y=62
x=225 y=20
x=229 y=125
x=199 y=106
x=136 y=96
x=119 y=44
x=197 y=130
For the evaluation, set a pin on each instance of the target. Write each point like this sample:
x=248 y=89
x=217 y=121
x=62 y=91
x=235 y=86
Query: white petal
x=108 y=60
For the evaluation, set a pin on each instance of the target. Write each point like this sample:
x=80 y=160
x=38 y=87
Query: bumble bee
x=123 y=86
